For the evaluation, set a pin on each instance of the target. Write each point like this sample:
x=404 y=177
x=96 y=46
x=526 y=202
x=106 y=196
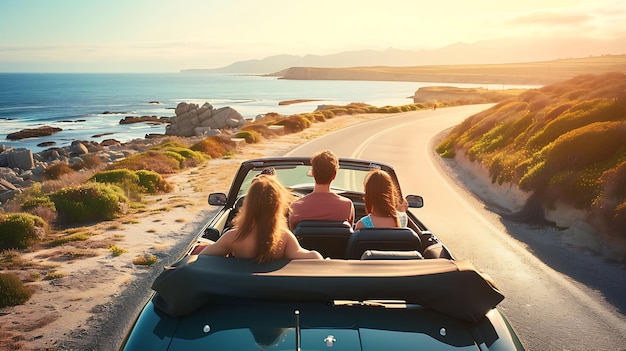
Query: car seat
x=329 y=238
x=382 y=239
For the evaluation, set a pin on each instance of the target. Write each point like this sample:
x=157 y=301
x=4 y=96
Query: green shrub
x=262 y=129
x=338 y=111
x=124 y=178
x=295 y=123
x=115 y=176
x=40 y=206
x=116 y=251
x=152 y=182
x=145 y=260
x=180 y=159
x=580 y=115
x=89 y=202
x=12 y=291
x=184 y=155
x=152 y=160
x=170 y=145
x=20 y=230
x=34 y=202
x=250 y=136
x=137 y=181
x=328 y=114
x=215 y=146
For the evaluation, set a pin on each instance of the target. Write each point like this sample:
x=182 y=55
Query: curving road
x=556 y=298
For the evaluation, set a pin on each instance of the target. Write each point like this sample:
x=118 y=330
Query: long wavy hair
x=381 y=195
x=263 y=212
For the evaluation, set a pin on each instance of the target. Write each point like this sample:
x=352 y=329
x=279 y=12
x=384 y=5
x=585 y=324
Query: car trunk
x=274 y=326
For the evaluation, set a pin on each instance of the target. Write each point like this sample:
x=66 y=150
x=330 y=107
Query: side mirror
x=217 y=199
x=211 y=233
x=415 y=201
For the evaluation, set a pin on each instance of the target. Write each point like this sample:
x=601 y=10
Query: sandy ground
x=82 y=308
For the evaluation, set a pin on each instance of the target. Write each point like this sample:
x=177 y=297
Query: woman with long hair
x=381 y=202
x=260 y=229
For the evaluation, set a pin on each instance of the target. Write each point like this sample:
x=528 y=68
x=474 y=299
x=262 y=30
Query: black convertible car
x=379 y=289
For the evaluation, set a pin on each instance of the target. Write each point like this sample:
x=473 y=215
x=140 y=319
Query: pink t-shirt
x=321 y=206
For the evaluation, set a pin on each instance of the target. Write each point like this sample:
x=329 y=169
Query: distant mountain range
x=483 y=52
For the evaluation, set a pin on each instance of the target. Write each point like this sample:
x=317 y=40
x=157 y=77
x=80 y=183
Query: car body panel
x=247 y=320
x=271 y=326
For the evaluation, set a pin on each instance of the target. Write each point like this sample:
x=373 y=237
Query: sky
x=167 y=36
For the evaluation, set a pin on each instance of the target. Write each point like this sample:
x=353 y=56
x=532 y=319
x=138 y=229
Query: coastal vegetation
x=20 y=230
x=564 y=143
x=12 y=290
x=46 y=215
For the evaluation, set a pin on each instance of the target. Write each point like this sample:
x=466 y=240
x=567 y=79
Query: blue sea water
x=86 y=105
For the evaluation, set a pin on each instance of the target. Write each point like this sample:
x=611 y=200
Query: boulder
x=4 y=159
x=201 y=130
x=20 y=158
x=135 y=119
x=7 y=190
x=109 y=142
x=33 y=132
x=79 y=148
x=193 y=120
x=8 y=175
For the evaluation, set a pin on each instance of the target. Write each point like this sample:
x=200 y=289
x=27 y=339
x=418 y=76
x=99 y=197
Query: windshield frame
x=295 y=174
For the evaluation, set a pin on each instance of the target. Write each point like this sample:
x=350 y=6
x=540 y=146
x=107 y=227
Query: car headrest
x=322 y=228
x=384 y=239
x=391 y=255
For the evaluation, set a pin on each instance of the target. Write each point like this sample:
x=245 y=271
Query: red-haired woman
x=382 y=203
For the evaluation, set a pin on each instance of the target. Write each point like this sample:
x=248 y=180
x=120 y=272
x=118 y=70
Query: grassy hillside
x=532 y=73
x=565 y=142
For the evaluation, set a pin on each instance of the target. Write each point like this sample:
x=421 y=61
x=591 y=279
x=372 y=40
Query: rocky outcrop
x=136 y=119
x=194 y=120
x=33 y=132
x=7 y=189
x=17 y=158
x=20 y=168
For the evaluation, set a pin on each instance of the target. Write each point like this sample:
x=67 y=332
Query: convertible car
x=377 y=289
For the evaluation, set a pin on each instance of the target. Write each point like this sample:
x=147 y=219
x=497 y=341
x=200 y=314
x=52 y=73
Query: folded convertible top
x=450 y=287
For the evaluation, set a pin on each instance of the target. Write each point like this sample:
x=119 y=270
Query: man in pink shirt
x=322 y=204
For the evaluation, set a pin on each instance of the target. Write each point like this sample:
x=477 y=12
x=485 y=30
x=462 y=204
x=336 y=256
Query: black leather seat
x=382 y=239
x=329 y=238
x=436 y=250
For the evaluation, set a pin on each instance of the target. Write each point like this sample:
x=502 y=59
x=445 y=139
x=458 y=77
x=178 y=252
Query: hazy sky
x=166 y=36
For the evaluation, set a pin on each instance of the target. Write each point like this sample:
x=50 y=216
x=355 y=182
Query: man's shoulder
x=317 y=197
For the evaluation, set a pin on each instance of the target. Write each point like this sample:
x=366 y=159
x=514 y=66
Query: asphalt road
x=557 y=298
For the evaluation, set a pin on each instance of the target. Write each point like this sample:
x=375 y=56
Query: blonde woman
x=382 y=203
x=260 y=229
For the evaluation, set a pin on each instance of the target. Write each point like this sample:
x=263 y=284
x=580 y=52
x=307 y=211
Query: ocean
x=87 y=105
